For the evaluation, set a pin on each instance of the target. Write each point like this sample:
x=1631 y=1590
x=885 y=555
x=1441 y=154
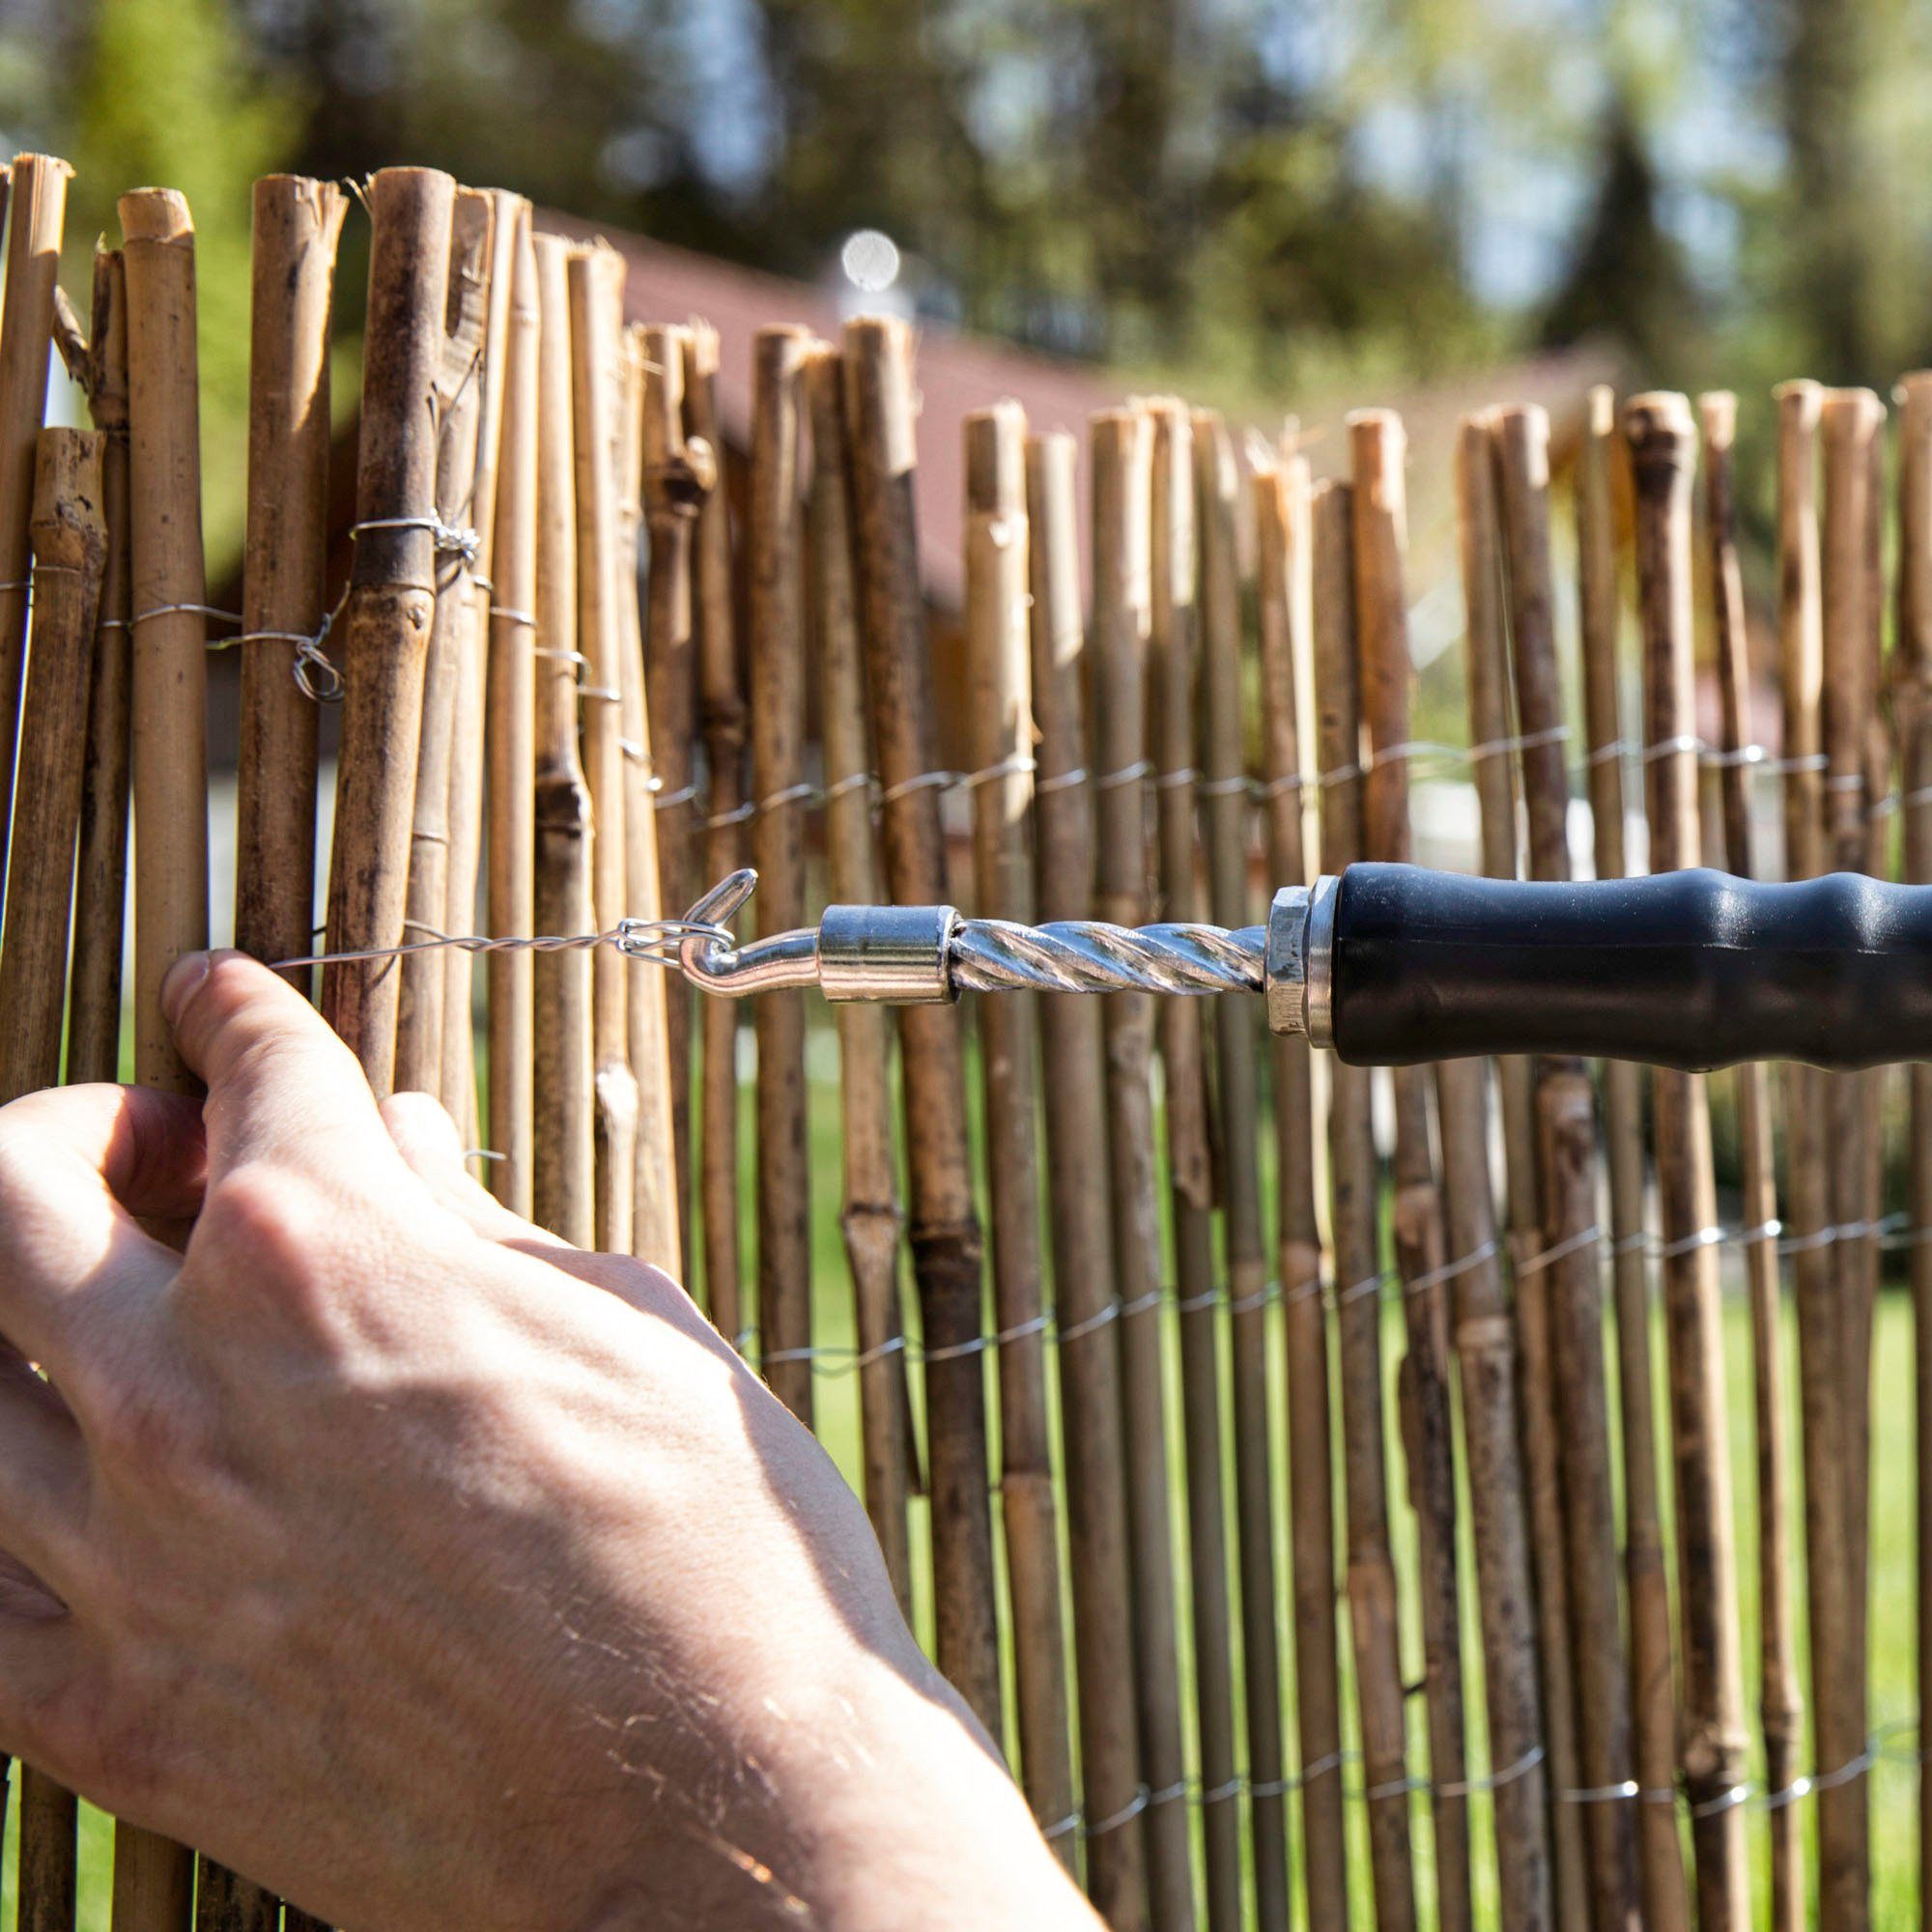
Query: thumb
x=281 y=1087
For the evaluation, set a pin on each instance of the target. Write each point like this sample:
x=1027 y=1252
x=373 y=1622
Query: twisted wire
x=991 y=956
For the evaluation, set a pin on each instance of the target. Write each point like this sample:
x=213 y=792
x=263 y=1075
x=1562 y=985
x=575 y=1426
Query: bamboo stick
x=391 y=606
x=1780 y=1704
x=1487 y=667
x=1486 y=1336
x=153 y=1879
x=870 y=1218
x=1085 y=1278
x=1913 y=692
x=721 y=710
x=1283 y=544
x=676 y=487
x=1711 y=1733
x=1809 y=1161
x=100 y=860
x=593 y=276
x=458 y=409
x=510 y=740
x=946 y=1241
x=1172 y=652
x=1570 y=1282
x=1351 y=1160
x=1227 y=816
x=777 y=850
x=1381 y=537
x=297 y=225
x=508 y=214
x=564 y=1172
x=1122 y=448
x=39 y=198
x=1850 y=421
x=660 y=1209
x=999 y=702
x=1652 y=1694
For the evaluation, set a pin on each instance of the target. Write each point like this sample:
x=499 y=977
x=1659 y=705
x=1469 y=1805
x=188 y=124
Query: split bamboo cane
x=1376 y=444
x=1653 y=1692
x=1172 y=652
x=1226 y=813
x=458 y=409
x=946 y=1240
x=475 y=586
x=870 y=1218
x=1841 y=1854
x=100 y=860
x=1782 y=1710
x=1358 y=1274
x=1851 y=424
x=1914 y=698
x=1570 y=1283
x=1283 y=542
x=390 y=607
x=39 y=199
x=1711 y=1735
x=69 y=534
x=153 y=1879
x=1000 y=705
x=657 y=1231
x=565 y=1171
x=297 y=225
x=511 y=738
x=1488 y=676
x=1485 y=1332
x=1121 y=449
x=674 y=483
x=777 y=615
x=720 y=714
x=1085 y=1277
x=594 y=278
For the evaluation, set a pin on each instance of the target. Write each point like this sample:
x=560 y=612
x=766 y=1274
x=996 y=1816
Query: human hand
x=424 y=1569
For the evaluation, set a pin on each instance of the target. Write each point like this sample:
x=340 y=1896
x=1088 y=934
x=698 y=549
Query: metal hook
x=715 y=965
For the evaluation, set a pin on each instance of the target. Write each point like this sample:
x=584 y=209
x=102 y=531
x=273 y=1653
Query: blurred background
x=1269 y=206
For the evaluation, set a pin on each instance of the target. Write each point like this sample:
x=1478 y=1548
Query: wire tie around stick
x=1060 y=781
x=1018 y=765
x=1670 y=748
x=1561 y=1251
x=1132 y=773
x=510 y=614
x=1228 y=788
x=1176 y=780
x=918 y=782
x=1523 y=741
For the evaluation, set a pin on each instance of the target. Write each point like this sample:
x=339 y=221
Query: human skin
x=425 y=1568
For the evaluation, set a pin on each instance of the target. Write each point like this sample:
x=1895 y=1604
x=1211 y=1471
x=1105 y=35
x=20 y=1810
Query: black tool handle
x=1692 y=968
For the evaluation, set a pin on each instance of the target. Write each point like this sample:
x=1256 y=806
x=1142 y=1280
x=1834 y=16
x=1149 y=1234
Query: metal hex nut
x=1285 y=960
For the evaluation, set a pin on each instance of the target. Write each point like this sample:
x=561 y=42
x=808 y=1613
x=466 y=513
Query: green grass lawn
x=1895 y=1782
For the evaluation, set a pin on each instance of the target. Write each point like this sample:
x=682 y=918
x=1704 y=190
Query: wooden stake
x=946 y=1241
x=1570 y=1282
x=510 y=739
x=297 y=225
x=722 y=721
x=1122 y=448
x=1779 y=1703
x=100 y=861
x=1712 y=1736
x=509 y=214
x=38 y=196
x=870 y=1219
x=1001 y=708
x=459 y=393
x=1652 y=1698
x=390 y=607
x=594 y=276
x=1173 y=665
x=565 y=1104
x=1283 y=540
x=777 y=850
x=660 y=1209
x=1226 y=813
x=1381 y=537
x=153 y=1879
x=1085 y=1278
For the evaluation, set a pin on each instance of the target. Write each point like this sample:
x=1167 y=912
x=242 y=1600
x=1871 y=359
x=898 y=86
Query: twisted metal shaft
x=992 y=955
